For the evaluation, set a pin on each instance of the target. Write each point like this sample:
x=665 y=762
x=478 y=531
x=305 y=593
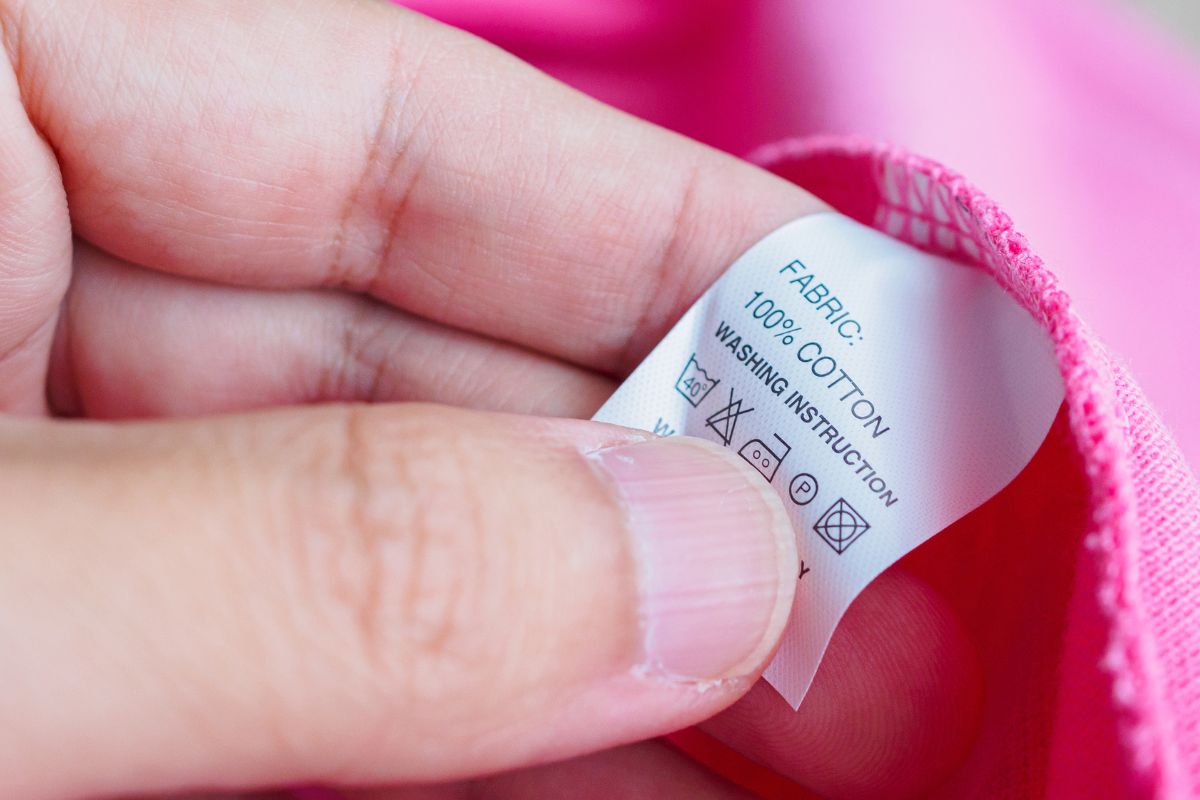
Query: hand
x=277 y=204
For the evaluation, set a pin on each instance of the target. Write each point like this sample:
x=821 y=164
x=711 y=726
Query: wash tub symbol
x=694 y=382
x=763 y=458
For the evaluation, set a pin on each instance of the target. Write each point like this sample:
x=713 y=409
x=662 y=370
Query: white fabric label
x=882 y=391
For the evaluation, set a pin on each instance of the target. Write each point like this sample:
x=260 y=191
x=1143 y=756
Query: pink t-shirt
x=1080 y=582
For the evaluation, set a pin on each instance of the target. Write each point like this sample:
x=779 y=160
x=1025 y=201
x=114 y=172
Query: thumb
x=368 y=594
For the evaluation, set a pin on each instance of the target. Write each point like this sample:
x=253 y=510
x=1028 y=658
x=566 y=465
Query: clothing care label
x=883 y=392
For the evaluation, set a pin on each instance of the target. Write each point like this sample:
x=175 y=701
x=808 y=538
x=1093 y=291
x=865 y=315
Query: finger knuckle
x=395 y=555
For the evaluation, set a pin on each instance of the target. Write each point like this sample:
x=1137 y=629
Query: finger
x=368 y=594
x=898 y=659
x=643 y=771
x=35 y=252
x=359 y=145
x=893 y=708
x=199 y=348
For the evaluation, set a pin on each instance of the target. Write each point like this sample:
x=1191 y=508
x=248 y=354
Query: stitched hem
x=927 y=205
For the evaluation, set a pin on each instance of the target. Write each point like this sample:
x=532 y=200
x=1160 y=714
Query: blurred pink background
x=1081 y=120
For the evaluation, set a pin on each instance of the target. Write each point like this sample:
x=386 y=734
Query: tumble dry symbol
x=694 y=383
x=724 y=420
x=763 y=458
x=841 y=526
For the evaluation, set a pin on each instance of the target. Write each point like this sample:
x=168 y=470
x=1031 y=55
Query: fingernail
x=716 y=556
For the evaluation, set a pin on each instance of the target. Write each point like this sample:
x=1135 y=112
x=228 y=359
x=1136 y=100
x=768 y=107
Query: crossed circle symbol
x=840 y=526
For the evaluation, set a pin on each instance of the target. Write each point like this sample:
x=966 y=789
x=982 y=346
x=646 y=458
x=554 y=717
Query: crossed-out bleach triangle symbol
x=724 y=419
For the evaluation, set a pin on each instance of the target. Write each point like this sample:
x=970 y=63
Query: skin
x=209 y=209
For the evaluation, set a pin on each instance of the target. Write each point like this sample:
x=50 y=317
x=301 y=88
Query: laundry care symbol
x=763 y=458
x=841 y=526
x=694 y=383
x=724 y=420
x=803 y=489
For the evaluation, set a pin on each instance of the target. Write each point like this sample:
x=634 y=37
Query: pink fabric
x=1082 y=123
x=1079 y=582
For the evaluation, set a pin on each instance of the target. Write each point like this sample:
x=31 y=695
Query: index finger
x=324 y=143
